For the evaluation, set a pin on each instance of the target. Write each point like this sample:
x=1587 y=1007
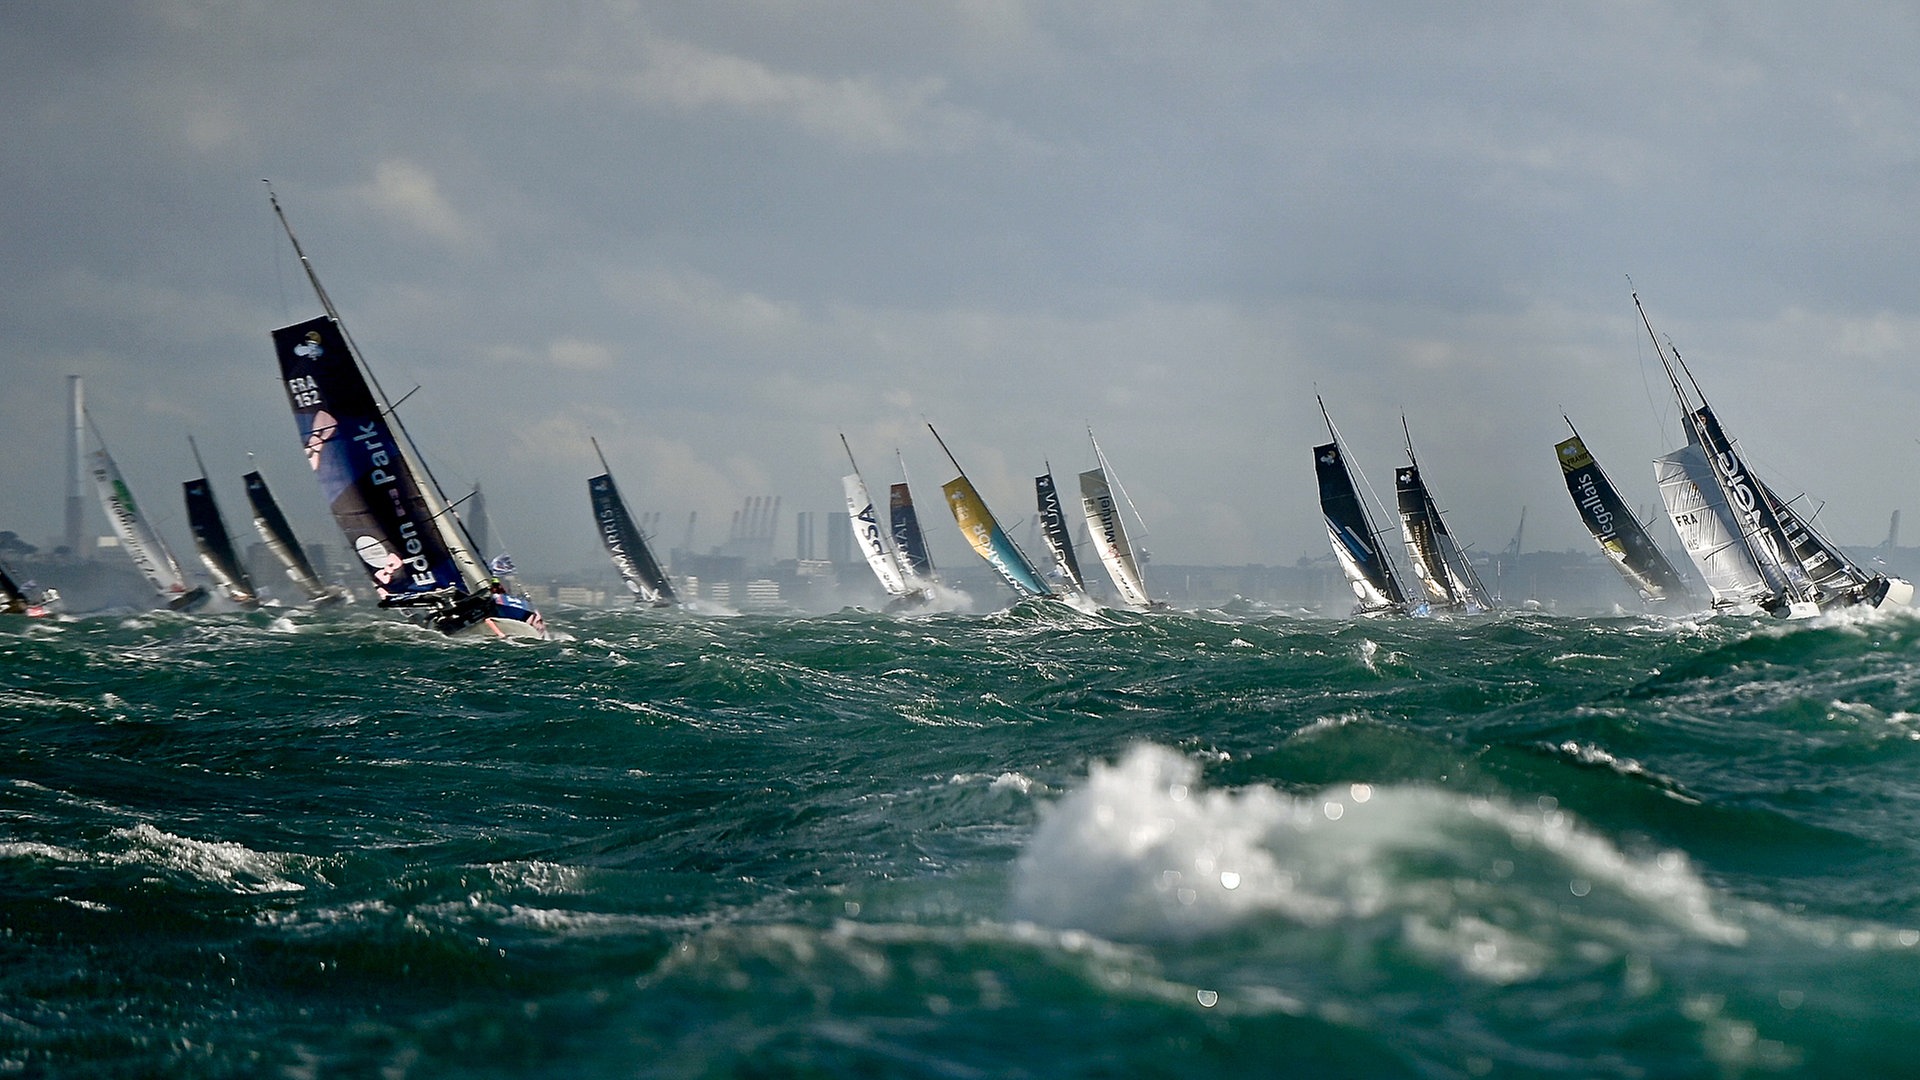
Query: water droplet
x=1208 y=999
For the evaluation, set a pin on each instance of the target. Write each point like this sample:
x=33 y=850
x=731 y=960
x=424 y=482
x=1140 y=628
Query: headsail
x=984 y=533
x=142 y=544
x=1356 y=544
x=1709 y=533
x=211 y=539
x=279 y=538
x=1053 y=527
x=1619 y=534
x=1110 y=532
x=625 y=542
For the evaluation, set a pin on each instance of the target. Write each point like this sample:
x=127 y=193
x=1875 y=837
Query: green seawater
x=1038 y=843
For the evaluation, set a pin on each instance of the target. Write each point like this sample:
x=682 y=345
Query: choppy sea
x=1039 y=843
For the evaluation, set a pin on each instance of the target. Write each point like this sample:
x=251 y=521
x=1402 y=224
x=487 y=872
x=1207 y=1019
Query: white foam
x=1141 y=852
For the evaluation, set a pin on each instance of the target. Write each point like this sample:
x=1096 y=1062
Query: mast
x=459 y=544
x=1761 y=535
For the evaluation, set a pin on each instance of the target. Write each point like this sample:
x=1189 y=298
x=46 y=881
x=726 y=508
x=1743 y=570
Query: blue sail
x=368 y=484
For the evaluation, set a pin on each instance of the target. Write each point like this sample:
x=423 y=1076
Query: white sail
x=1708 y=529
x=872 y=538
x=147 y=550
x=1110 y=535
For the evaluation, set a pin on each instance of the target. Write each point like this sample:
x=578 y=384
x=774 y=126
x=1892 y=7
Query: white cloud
x=409 y=194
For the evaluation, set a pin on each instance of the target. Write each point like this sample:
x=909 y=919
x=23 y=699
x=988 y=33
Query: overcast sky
x=717 y=234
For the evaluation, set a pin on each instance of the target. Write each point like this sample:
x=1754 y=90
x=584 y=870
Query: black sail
x=1352 y=535
x=1423 y=543
x=215 y=544
x=368 y=482
x=1053 y=527
x=279 y=538
x=627 y=545
x=1619 y=534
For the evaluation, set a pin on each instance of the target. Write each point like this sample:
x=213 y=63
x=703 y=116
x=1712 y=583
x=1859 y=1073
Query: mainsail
x=908 y=540
x=1053 y=527
x=211 y=539
x=1619 y=534
x=625 y=542
x=992 y=543
x=1110 y=533
x=279 y=538
x=1798 y=571
x=1356 y=543
x=1438 y=562
x=137 y=538
x=876 y=542
x=394 y=517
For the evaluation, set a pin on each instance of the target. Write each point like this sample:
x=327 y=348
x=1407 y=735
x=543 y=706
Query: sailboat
x=1439 y=564
x=141 y=543
x=626 y=543
x=909 y=542
x=1754 y=550
x=1620 y=535
x=990 y=541
x=1054 y=529
x=1110 y=533
x=278 y=536
x=18 y=599
x=1356 y=543
x=211 y=539
x=876 y=543
x=394 y=515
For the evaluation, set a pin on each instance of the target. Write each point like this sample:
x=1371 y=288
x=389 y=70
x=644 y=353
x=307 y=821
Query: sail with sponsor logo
x=211 y=539
x=1754 y=549
x=1054 y=529
x=411 y=544
x=984 y=533
x=1621 y=536
x=1109 y=531
x=625 y=542
x=1363 y=558
x=909 y=541
x=138 y=539
x=874 y=539
x=277 y=534
x=1439 y=564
